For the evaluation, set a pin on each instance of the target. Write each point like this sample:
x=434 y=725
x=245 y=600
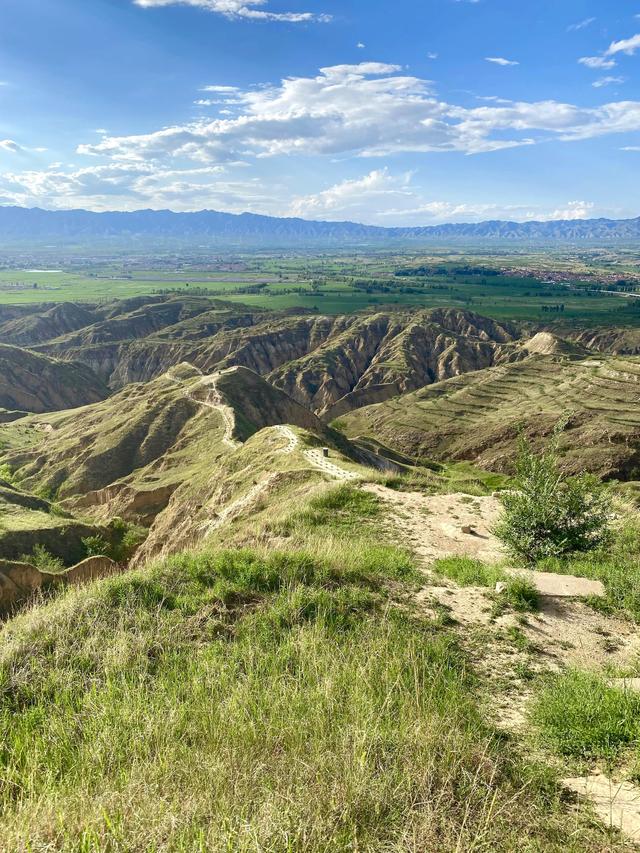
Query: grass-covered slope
x=30 y=382
x=260 y=700
x=477 y=416
x=180 y=455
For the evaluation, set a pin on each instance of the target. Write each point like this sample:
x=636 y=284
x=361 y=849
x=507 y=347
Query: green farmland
x=344 y=284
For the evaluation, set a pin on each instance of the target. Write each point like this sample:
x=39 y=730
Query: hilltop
x=252 y=593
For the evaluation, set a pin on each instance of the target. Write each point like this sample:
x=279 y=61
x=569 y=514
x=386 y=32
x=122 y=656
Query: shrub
x=43 y=560
x=550 y=513
x=96 y=546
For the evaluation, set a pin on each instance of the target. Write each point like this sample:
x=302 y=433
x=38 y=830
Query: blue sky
x=404 y=112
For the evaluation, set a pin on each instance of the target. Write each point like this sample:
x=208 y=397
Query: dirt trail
x=507 y=649
x=213 y=401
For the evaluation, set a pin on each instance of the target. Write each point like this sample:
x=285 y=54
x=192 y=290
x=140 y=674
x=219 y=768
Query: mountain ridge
x=19 y=223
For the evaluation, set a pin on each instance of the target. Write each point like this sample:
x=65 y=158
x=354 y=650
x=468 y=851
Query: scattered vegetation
x=548 y=513
x=250 y=700
x=617 y=565
x=517 y=591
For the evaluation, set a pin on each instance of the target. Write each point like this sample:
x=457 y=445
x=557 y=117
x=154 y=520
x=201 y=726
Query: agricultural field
x=595 y=287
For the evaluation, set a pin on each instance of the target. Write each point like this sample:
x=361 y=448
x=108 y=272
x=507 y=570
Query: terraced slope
x=477 y=416
x=30 y=382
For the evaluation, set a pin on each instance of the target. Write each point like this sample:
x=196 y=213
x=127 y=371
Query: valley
x=195 y=491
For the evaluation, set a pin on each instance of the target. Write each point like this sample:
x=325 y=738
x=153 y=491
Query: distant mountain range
x=33 y=224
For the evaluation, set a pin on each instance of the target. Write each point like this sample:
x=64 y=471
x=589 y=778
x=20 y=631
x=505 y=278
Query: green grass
x=617 y=566
x=286 y=282
x=518 y=592
x=580 y=716
x=342 y=507
x=254 y=701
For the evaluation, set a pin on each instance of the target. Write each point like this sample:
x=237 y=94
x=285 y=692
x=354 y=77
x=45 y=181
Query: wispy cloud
x=608 y=81
x=628 y=46
x=10 y=146
x=597 y=62
x=239 y=9
x=500 y=60
x=625 y=46
x=581 y=25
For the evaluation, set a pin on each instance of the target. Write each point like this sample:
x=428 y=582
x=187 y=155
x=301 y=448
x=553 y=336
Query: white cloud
x=385 y=199
x=581 y=25
x=608 y=81
x=500 y=60
x=129 y=186
x=598 y=62
x=239 y=9
x=627 y=46
x=361 y=45
x=10 y=146
x=355 y=198
x=573 y=210
x=364 y=110
x=432 y=55
x=221 y=90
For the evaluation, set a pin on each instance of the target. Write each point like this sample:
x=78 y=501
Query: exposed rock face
x=19 y=581
x=36 y=383
x=404 y=351
x=614 y=341
x=546 y=343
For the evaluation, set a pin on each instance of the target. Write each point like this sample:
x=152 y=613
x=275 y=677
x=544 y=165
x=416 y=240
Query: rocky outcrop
x=403 y=350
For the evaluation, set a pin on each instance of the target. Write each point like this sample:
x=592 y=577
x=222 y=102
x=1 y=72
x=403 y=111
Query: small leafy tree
x=549 y=513
x=96 y=546
x=43 y=560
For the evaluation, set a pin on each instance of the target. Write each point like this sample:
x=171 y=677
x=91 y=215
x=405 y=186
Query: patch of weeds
x=342 y=507
x=518 y=638
x=579 y=715
x=7 y=474
x=521 y=595
x=523 y=671
x=466 y=571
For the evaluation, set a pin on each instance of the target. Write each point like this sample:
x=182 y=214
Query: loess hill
x=182 y=413
x=478 y=416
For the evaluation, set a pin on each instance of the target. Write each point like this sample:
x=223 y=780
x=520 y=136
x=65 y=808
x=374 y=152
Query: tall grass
x=248 y=701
